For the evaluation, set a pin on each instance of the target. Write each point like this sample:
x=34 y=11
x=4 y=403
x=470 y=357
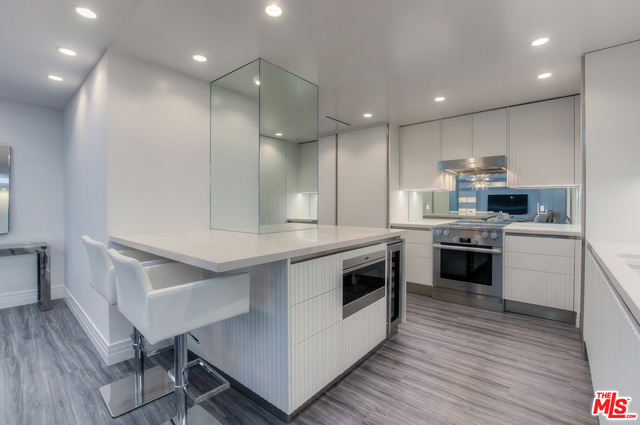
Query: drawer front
x=314 y=315
x=537 y=262
x=539 y=288
x=419 y=250
x=420 y=236
x=419 y=270
x=544 y=246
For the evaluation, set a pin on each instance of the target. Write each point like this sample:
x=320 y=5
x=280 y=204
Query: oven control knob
x=485 y=235
x=445 y=232
x=494 y=235
x=474 y=241
x=438 y=232
x=456 y=240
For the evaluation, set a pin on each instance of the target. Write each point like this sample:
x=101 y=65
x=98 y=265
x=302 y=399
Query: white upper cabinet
x=542 y=144
x=419 y=156
x=490 y=133
x=457 y=137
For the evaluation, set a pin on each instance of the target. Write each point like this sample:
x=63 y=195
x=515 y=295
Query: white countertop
x=623 y=278
x=221 y=251
x=425 y=223
x=552 y=229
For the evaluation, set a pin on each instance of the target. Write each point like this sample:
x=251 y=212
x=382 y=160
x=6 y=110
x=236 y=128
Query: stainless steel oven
x=467 y=263
x=363 y=281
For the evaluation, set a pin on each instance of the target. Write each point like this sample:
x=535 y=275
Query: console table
x=41 y=249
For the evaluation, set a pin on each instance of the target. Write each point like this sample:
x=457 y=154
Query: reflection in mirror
x=487 y=196
x=264 y=150
x=5 y=166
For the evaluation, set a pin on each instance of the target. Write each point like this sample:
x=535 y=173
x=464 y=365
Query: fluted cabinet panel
x=536 y=262
x=362 y=178
x=327 y=180
x=315 y=363
x=539 y=288
x=420 y=151
x=490 y=133
x=611 y=337
x=253 y=347
x=542 y=143
x=538 y=245
x=457 y=137
x=362 y=331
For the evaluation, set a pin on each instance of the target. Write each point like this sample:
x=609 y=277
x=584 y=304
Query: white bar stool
x=162 y=304
x=143 y=387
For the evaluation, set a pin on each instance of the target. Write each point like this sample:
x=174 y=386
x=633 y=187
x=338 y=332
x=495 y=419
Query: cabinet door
x=541 y=144
x=490 y=133
x=457 y=137
x=419 y=156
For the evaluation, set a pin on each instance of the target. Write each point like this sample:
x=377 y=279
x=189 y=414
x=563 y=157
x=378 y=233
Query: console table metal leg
x=44 y=279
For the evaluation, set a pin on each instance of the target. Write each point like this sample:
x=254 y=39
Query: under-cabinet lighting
x=199 y=58
x=66 y=51
x=540 y=41
x=439 y=98
x=54 y=77
x=87 y=13
x=273 y=10
x=544 y=75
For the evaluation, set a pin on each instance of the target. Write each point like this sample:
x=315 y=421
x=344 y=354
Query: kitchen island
x=294 y=342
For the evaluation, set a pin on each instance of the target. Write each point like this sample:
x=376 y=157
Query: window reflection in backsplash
x=468 y=200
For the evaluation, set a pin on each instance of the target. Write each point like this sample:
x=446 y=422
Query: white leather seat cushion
x=158 y=302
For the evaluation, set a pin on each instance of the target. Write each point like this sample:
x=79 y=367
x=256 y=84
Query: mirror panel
x=264 y=150
x=5 y=168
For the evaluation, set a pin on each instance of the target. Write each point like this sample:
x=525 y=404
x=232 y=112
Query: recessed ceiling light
x=66 y=51
x=540 y=41
x=439 y=98
x=278 y=134
x=199 y=58
x=367 y=115
x=544 y=75
x=54 y=77
x=273 y=10
x=87 y=13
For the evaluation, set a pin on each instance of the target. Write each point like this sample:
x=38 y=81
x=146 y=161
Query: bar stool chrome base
x=196 y=416
x=122 y=396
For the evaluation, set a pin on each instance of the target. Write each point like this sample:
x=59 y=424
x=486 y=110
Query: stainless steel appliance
x=479 y=165
x=396 y=292
x=363 y=281
x=467 y=263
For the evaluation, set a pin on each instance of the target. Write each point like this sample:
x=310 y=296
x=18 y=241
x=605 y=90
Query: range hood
x=481 y=165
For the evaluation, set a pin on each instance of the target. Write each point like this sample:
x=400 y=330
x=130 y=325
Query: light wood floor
x=449 y=364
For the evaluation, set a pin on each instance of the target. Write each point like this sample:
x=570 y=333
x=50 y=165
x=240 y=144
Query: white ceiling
x=390 y=58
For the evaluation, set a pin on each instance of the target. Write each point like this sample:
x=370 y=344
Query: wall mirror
x=5 y=166
x=485 y=196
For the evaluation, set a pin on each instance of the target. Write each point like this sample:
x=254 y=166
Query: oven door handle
x=497 y=251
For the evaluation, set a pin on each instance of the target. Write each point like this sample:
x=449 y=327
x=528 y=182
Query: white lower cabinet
x=321 y=344
x=540 y=271
x=612 y=338
x=419 y=257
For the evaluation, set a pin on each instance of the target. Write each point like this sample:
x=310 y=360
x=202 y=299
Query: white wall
x=158 y=148
x=36 y=200
x=85 y=204
x=612 y=132
x=327 y=180
x=273 y=181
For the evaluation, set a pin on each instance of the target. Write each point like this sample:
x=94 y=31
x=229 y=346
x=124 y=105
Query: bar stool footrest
x=225 y=385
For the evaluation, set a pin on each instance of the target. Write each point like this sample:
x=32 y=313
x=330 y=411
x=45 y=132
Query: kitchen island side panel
x=254 y=348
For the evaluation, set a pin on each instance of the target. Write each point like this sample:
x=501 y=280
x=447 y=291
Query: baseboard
x=57 y=292
x=417 y=288
x=18 y=298
x=110 y=353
